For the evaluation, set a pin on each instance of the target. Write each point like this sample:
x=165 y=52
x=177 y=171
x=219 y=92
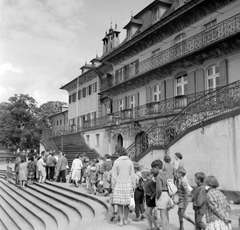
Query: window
x=79 y=94
x=211 y=24
x=179 y=38
x=158 y=13
x=94 y=87
x=61 y=122
x=57 y=122
x=109 y=108
x=87 y=91
x=94 y=115
x=213 y=78
x=156 y=93
x=181 y=85
x=121 y=104
x=134 y=68
x=132 y=101
x=69 y=99
x=97 y=139
x=121 y=74
x=74 y=97
x=88 y=139
x=181 y=2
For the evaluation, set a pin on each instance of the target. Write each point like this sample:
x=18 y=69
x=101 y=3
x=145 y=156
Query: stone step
x=23 y=217
x=99 y=208
x=44 y=211
x=8 y=215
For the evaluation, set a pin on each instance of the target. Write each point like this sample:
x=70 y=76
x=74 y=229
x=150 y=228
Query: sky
x=43 y=43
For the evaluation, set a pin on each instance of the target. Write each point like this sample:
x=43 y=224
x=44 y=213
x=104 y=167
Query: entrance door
x=120 y=140
x=141 y=143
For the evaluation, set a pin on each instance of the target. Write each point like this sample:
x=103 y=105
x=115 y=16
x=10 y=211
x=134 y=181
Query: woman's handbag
x=132 y=204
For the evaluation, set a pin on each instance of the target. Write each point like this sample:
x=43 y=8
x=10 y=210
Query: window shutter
x=90 y=89
x=126 y=106
x=116 y=76
x=200 y=83
x=148 y=94
x=137 y=99
x=223 y=72
x=79 y=94
x=163 y=90
x=137 y=67
x=70 y=97
x=191 y=82
x=95 y=86
x=126 y=72
x=84 y=92
x=169 y=89
x=115 y=106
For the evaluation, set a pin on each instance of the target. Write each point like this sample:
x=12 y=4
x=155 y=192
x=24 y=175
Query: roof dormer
x=85 y=68
x=132 y=27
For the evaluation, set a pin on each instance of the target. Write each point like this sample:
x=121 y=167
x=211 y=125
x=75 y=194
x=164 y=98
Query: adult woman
x=76 y=170
x=31 y=170
x=123 y=184
x=106 y=168
x=217 y=206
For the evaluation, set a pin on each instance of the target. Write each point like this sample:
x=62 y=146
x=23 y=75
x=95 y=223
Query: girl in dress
x=22 y=173
x=9 y=170
x=93 y=177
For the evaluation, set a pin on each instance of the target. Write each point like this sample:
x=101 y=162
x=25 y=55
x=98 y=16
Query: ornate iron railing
x=220 y=31
x=214 y=103
x=145 y=111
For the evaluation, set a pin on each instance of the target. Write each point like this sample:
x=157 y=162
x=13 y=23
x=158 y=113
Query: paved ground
x=174 y=225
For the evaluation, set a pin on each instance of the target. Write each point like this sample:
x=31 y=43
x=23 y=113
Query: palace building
x=172 y=85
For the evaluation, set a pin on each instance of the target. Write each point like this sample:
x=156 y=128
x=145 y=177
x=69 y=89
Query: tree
x=48 y=109
x=19 y=122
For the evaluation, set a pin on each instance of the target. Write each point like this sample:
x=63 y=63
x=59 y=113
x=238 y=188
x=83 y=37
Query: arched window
x=179 y=38
x=156 y=93
x=213 y=78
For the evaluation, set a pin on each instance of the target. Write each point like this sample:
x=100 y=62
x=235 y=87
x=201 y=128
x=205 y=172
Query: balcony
x=147 y=111
x=203 y=39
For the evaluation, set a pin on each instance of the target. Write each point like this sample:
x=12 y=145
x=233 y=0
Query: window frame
x=213 y=77
x=157 y=93
x=178 y=39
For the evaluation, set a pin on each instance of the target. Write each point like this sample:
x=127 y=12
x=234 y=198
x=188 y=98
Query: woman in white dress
x=76 y=170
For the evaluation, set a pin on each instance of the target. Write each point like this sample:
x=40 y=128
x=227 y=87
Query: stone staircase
x=195 y=115
x=47 y=207
x=71 y=144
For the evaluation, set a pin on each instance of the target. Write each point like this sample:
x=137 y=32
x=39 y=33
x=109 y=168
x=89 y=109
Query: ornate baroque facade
x=174 y=52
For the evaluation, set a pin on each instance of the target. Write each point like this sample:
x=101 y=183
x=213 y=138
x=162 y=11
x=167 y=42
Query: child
x=114 y=207
x=184 y=195
x=138 y=194
x=199 y=200
x=150 y=191
x=162 y=197
x=9 y=170
x=93 y=177
x=22 y=173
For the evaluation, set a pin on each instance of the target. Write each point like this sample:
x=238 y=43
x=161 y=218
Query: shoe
x=142 y=217
x=137 y=219
x=112 y=218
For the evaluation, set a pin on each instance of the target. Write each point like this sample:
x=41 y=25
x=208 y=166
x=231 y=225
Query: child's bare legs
x=164 y=218
x=151 y=218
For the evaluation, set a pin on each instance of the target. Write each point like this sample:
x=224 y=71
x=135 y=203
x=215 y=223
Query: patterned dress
x=217 y=211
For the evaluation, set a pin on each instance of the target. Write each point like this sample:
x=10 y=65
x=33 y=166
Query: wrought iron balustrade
x=210 y=105
x=220 y=31
x=96 y=123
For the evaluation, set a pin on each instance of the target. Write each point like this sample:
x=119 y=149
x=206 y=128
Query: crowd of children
x=152 y=196
x=155 y=190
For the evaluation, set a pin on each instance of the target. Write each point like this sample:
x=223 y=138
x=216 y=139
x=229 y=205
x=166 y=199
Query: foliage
x=21 y=121
x=48 y=109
